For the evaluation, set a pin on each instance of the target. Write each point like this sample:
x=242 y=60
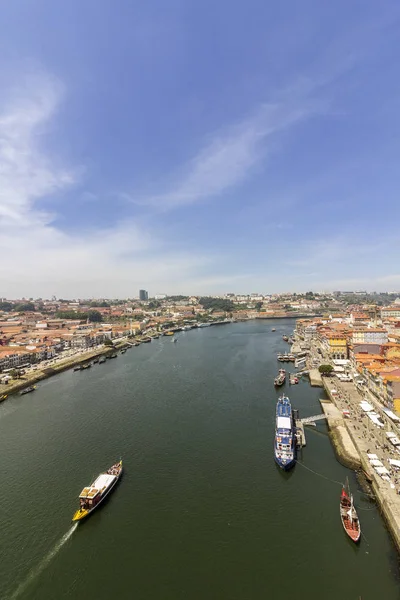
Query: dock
x=300 y=434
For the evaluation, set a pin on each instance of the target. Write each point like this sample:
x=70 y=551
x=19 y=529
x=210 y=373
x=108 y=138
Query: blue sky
x=198 y=147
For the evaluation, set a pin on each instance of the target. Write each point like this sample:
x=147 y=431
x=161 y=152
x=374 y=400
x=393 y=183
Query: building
x=369 y=335
x=143 y=295
x=390 y=311
x=334 y=344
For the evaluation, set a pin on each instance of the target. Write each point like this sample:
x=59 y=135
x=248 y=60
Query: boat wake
x=36 y=571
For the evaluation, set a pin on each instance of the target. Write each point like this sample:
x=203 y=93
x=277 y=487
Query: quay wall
x=17 y=385
x=344 y=447
x=385 y=502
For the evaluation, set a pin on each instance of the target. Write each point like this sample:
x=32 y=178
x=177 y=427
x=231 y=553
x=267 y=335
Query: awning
x=376 y=463
x=382 y=470
x=394 y=462
x=372 y=455
x=391 y=415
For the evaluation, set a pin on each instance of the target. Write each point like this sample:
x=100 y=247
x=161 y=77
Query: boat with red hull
x=348 y=514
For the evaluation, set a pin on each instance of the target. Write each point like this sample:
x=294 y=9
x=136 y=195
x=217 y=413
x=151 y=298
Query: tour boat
x=348 y=514
x=91 y=496
x=285 y=435
x=280 y=379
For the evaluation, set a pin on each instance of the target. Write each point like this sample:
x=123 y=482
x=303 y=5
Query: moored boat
x=280 y=379
x=348 y=514
x=92 y=496
x=285 y=338
x=102 y=360
x=285 y=436
x=31 y=388
x=3 y=397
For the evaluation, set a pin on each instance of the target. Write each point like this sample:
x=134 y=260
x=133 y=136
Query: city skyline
x=198 y=148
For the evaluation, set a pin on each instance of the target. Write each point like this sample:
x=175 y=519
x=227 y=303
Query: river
x=202 y=511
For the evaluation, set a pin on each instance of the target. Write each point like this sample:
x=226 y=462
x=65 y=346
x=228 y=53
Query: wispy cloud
x=232 y=154
x=38 y=258
x=25 y=172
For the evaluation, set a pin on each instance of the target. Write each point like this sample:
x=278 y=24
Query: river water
x=202 y=510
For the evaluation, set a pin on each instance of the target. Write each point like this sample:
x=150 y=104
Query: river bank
x=348 y=439
x=342 y=443
x=33 y=377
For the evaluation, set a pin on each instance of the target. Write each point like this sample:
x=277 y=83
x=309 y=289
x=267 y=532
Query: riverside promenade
x=367 y=438
x=59 y=365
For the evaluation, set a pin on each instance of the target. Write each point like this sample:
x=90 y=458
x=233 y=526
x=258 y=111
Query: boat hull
x=80 y=514
x=287 y=465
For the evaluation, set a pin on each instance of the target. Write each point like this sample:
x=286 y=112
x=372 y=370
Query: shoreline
x=17 y=385
x=387 y=504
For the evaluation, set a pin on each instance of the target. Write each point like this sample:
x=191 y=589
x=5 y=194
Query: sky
x=198 y=147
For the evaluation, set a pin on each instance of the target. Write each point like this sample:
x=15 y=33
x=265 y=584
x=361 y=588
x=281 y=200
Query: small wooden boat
x=273 y=329
x=78 y=368
x=280 y=379
x=92 y=496
x=31 y=388
x=87 y=366
x=3 y=397
x=348 y=514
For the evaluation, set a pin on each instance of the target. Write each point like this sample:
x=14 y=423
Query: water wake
x=35 y=572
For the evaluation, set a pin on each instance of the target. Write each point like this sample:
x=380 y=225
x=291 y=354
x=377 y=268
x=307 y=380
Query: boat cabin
x=92 y=494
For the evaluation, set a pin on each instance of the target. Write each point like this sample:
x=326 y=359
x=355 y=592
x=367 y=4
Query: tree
x=154 y=304
x=217 y=304
x=258 y=305
x=99 y=304
x=14 y=373
x=25 y=307
x=6 y=306
x=325 y=369
x=108 y=342
x=94 y=316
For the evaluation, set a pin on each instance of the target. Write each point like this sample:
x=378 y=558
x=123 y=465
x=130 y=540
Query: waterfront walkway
x=370 y=439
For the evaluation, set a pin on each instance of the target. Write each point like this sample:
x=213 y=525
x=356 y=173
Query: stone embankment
x=33 y=377
x=315 y=378
x=345 y=449
x=355 y=439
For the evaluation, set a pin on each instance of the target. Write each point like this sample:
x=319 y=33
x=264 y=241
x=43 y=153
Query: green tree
x=71 y=314
x=108 y=342
x=258 y=305
x=99 y=304
x=95 y=316
x=217 y=304
x=325 y=369
x=6 y=306
x=15 y=373
x=25 y=307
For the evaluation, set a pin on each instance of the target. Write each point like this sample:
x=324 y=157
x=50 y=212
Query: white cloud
x=37 y=258
x=231 y=155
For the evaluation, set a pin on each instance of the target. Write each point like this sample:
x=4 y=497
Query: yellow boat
x=168 y=333
x=94 y=494
x=3 y=397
